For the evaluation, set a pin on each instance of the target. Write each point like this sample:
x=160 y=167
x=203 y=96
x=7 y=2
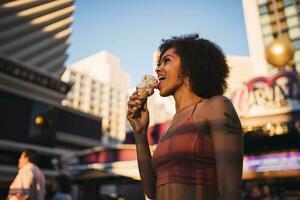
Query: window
x=292 y=21
x=268 y=39
x=266 y=30
x=297 y=56
x=298 y=67
x=296 y=44
x=263 y=9
x=290 y=10
x=264 y=19
x=294 y=32
x=288 y=2
x=260 y=2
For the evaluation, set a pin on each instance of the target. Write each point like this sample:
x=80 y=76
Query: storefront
x=31 y=116
x=269 y=109
x=107 y=172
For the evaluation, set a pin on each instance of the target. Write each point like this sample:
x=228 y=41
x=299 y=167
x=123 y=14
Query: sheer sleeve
x=148 y=176
x=227 y=137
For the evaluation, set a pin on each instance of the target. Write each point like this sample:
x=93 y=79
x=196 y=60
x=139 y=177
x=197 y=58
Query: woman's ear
x=186 y=82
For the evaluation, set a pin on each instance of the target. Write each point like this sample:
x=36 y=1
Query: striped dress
x=185 y=156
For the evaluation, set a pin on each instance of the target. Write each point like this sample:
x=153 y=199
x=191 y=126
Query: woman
x=200 y=155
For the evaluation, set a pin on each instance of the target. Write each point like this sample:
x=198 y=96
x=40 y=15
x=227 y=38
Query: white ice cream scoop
x=147 y=86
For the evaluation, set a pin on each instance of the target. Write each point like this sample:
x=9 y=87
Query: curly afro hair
x=202 y=61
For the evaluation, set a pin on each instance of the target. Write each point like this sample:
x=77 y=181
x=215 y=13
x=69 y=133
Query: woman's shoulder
x=219 y=102
x=218 y=99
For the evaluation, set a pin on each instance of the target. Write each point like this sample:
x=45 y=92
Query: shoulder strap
x=195 y=106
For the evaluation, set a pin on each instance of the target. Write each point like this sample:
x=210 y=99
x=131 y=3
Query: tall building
x=265 y=20
x=269 y=103
x=36 y=32
x=33 y=37
x=240 y=71
x=100 y=88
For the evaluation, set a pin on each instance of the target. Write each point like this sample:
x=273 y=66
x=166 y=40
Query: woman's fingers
x=136 y=101
x=135 y=106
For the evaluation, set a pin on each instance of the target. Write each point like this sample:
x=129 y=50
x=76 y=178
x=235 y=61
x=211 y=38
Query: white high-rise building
x=240 y=70
x=265 y=20
x=100 y=88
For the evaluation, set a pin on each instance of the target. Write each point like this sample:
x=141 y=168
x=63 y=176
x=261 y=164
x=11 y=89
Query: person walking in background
x=200 y=156
x=254 y=193
x=30 y=180
x=268 y=193
x=62 y=186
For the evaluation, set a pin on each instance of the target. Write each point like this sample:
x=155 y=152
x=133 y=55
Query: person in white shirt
x=29 y=184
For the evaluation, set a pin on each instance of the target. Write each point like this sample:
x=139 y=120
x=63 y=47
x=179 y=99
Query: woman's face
x=168 y=73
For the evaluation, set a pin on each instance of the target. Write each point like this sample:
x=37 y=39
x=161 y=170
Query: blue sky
x=132 y=29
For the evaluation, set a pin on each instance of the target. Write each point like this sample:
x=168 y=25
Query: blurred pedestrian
x=30 y=180
x=268 y=193
x=62 y=186
x=254 y=194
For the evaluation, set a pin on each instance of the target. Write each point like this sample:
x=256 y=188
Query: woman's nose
x=157 y=69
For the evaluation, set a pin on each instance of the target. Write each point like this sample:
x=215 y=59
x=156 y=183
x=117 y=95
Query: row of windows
x=116 y=105
x=296 y=42
x=270 y=7
x=286 y=8
x=278 y=2
x=92 y=83
x=85 y=80
x=293 y=32
x=290 y=14
x=271 y=28
x=83 y=92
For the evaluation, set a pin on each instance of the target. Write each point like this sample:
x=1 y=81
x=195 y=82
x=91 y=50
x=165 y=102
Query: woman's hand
x=138 y=114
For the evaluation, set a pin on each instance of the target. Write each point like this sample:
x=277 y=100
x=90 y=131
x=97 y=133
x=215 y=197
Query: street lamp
x=39 y=120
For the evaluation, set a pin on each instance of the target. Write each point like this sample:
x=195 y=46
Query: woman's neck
x=185 y=97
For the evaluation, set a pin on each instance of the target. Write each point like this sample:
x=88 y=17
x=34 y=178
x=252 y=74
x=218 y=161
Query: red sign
x=268 y=95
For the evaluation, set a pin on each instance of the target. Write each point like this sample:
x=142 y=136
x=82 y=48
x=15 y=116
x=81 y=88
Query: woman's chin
x=163 y=93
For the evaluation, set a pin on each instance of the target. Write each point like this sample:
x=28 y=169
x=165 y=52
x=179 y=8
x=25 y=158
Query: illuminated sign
x=272 y=162
x=268 y=95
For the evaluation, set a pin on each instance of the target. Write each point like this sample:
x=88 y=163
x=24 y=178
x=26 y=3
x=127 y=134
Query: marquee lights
x=273 y=129
x=272 y=162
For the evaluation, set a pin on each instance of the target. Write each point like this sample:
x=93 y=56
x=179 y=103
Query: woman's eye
x=166 y=60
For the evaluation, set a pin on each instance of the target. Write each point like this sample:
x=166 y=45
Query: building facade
x=268 y=104
x=265 y=20
x=36 y=32
x=240 y=70
x=34 y=39
x=100 y=88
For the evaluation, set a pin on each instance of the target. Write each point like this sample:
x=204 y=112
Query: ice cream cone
x=146 y=87
x=144 y=92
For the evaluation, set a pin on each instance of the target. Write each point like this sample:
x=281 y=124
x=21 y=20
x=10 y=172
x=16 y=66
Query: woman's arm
x=148 y=177
x=227 y=137
x=138 y=116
